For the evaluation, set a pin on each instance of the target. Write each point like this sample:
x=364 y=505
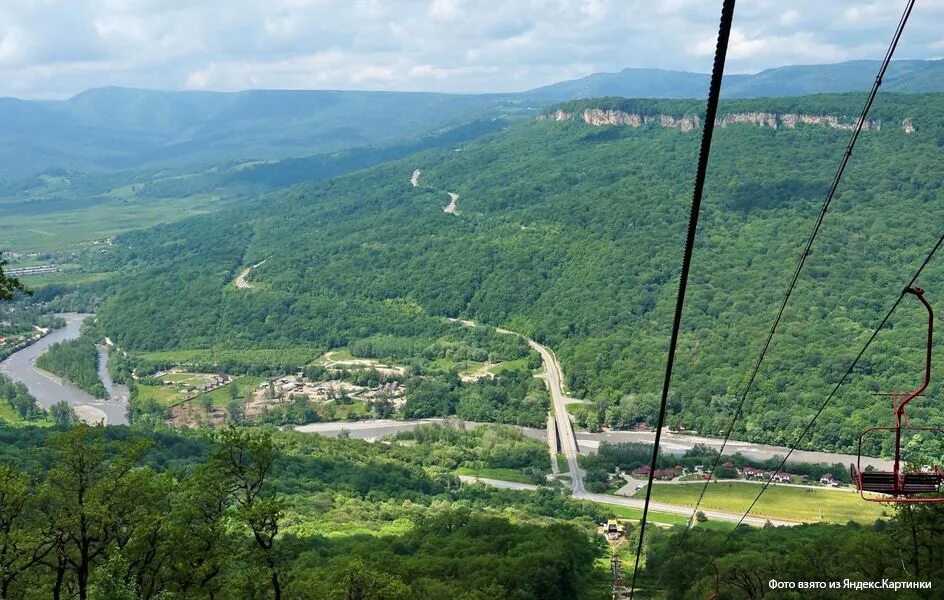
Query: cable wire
x=860 y=123
x=711 y=111
x=842 y=380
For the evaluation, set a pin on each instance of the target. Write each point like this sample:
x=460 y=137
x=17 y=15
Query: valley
x=389 y=346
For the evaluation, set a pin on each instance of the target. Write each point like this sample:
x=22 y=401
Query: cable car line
x=847 y=154
x=891 y=310
x=711 y=111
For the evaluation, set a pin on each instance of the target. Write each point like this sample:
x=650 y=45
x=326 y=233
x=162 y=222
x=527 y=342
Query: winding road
x=241 y=282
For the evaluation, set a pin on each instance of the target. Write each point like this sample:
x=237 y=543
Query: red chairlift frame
x=898 y=492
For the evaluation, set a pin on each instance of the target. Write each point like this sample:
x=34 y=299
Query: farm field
x=27 y=232
x=781 y=502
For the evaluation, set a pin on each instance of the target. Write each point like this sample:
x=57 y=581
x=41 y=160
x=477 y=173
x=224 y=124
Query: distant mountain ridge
x=909 y=76
x=122 y=128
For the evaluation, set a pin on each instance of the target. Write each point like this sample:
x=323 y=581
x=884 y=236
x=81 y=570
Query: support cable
x=842 y=380
x=714 y=91
x=847 y=154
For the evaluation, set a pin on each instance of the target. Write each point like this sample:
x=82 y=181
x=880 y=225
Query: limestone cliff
x=598 y=117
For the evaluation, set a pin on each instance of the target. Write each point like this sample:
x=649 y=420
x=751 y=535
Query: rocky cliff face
x=598 y=117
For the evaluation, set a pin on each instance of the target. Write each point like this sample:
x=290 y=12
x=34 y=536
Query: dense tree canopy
x=571 y=234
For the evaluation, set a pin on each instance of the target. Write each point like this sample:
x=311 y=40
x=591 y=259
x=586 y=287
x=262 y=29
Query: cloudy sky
x=55 y=48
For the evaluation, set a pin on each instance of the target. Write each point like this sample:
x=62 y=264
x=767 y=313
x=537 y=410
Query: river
x=48 y=389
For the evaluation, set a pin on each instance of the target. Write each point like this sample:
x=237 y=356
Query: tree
x=234 y=411
x=9 y=285
x=23 y=544
x=111 y=581
x=62 y=414
x=85 y=494
x=246 y=459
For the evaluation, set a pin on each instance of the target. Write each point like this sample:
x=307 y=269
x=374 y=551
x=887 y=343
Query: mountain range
x=121 y=128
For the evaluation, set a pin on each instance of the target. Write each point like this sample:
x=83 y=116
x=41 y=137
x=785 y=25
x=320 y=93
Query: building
x=613 y=530
x=665 y=474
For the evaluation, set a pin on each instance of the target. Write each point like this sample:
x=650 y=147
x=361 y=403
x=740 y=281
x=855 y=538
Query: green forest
x=110 y=514
x=906 y=548
x=77 y=361
x=571 y=234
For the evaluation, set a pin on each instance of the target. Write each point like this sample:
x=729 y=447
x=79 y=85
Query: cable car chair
x=898 y=486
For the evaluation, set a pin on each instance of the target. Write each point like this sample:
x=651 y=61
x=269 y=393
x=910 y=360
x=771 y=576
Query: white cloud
x=52 y=48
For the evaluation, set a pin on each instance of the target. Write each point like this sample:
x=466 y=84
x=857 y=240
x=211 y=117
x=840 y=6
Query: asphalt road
x=565 y=429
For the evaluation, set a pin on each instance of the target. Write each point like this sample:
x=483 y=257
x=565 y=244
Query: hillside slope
x=571 y=233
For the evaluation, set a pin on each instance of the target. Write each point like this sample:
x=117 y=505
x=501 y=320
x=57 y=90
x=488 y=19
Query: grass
x=170 y=395
x=333 y=356
x=562 y=465
x=499 y=473
x=186 y=377
x=69 y=228
x=778 y=502
x=635 y=514
x=509 y=365
x=222 y=395
x=159 y=393
x=10 y=417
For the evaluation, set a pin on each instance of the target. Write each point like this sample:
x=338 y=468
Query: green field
x=501 y=474
x=11 y=417
x=246 y=384
x=635 y=514
x=171 y=395
x=778 y=502
x=69 y=229
x=509 y=365
x=194 y=378
x=159 y=393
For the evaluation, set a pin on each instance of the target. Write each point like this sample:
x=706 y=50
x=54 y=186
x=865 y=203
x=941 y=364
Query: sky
x=56 y=48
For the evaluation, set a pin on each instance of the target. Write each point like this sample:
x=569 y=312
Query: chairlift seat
x=921 y=483
x=885 y=482
x=882 y=482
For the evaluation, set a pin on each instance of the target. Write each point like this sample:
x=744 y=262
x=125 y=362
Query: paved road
x=376 y=429
x=565 y=429
x=678 y=444
x=672 y=509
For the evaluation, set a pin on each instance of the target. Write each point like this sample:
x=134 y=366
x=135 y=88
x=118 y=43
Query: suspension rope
x=860 y=124
x=711 y=111
x=842 y=380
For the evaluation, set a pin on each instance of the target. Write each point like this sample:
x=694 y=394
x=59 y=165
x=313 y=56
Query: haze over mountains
x=122 y=128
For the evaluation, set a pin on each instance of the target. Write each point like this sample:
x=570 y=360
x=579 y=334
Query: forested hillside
x=571 y=234
x=109 y=514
